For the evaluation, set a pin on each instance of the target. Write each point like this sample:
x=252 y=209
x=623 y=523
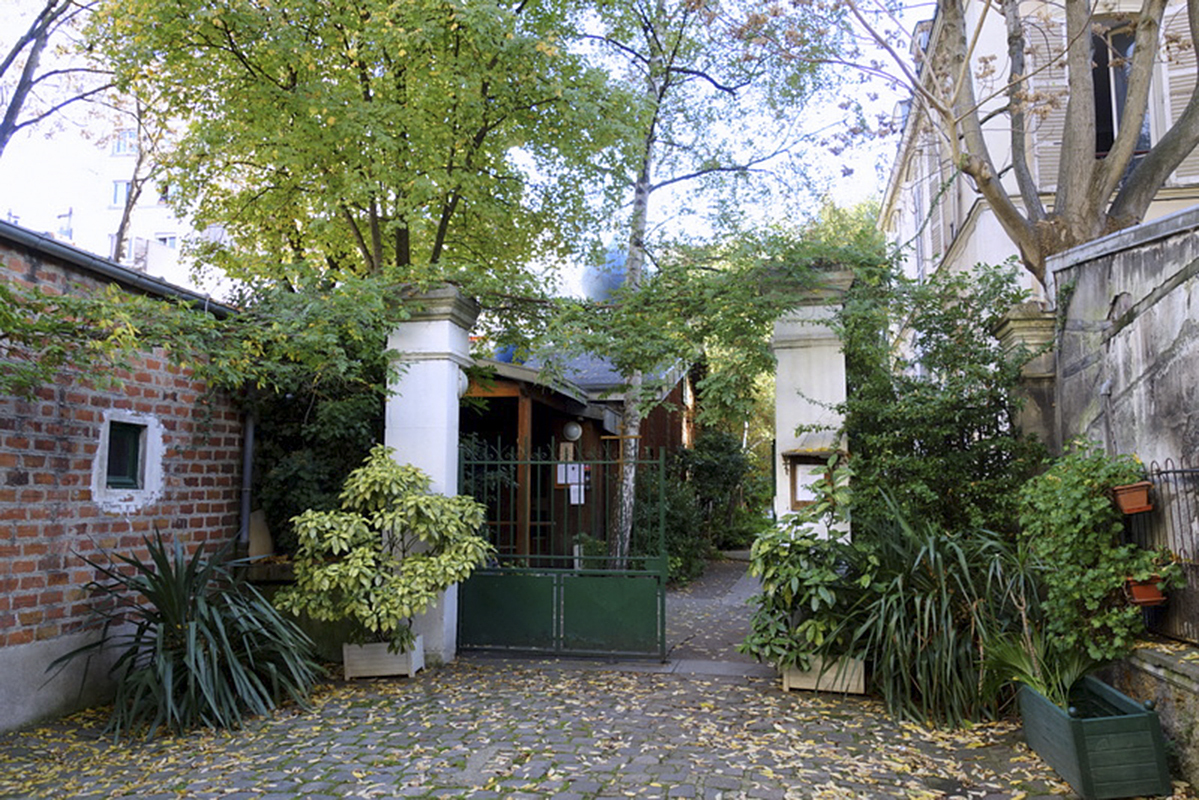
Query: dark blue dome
x=601 y=280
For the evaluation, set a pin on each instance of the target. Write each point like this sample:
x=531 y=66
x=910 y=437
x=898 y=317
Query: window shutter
x=1178 y=72
x=932 y=171
x=1046 y=114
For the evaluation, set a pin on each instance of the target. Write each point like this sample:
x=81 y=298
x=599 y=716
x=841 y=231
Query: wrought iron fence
x=1173 y=524
x=550 y=513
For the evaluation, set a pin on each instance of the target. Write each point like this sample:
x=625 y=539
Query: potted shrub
x=1067 y=518
x=1102 y=742
x=381 y=560
x=1145 y=593
x=808 y=582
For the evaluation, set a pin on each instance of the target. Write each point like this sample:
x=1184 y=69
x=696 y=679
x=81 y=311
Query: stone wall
x=56 y=505
x=1128 y=355
x=1128 y=377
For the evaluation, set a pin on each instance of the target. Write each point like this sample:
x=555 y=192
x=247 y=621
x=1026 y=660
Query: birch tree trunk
x=630 y=442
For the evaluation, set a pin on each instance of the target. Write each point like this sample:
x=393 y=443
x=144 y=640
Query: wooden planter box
x=1113 y=747
x=1133 y=498
x=836 y=677
x=375 y=660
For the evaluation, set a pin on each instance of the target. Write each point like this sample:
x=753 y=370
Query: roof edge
x=106 y=268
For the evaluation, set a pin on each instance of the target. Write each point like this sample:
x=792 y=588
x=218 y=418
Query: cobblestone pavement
x=531 y=729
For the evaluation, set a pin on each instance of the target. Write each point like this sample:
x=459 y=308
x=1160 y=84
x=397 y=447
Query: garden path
x=492 y=728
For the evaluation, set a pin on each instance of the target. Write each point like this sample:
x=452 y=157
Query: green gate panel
x=610 y=614
x=506 y=610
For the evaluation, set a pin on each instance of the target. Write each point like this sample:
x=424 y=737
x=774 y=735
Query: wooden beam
x=495 y=389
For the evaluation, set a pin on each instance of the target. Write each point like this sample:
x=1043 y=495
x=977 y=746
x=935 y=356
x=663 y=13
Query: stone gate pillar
x=422 y=419
x=1033 y=328
x=809 y=383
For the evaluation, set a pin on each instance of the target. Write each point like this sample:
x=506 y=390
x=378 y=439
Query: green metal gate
x=554 y=588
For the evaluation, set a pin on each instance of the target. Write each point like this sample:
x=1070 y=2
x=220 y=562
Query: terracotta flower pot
x=1144 y=593
x=1133 y=498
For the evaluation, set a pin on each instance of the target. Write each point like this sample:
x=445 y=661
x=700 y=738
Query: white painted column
x=422 y=420
x=809 y=382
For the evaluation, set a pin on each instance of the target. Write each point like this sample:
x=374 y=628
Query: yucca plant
x=198 y=646
x=937 y=599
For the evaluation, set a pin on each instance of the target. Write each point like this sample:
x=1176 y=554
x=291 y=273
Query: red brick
x=46 y=632
x=19 y=637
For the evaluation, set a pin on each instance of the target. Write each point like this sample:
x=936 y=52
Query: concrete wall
x=54 y=508
x=1128 y=354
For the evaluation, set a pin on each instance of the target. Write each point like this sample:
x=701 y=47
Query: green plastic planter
x=1112 y=746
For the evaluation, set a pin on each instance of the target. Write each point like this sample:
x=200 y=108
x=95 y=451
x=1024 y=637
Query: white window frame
x=124 y=500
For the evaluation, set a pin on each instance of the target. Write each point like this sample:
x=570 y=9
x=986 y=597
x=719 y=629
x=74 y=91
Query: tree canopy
x=434 y=139
x=33 y=91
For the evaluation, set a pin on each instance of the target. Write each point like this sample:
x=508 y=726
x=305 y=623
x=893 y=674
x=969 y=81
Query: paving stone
x=544 y=729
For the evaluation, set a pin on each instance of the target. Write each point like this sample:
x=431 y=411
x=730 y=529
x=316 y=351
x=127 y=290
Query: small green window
x=125 y=455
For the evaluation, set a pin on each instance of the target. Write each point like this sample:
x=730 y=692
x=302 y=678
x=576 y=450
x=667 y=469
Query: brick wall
x=51 y=509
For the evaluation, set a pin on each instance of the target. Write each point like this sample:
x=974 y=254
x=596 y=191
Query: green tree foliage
x=721 y=472
x=40 y=334
x=438 y=139
x=931 y=410
x=705 y=111
x=278 y=341
x=670 y=505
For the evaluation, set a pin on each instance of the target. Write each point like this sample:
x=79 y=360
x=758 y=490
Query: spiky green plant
x=198 y=646
x=1030 y=660
x=937 y=599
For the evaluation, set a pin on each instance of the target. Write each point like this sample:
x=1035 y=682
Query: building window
x=1111 y=57
x=125 y=464
x=168 y=239
x=124 y=142
x=120 y=193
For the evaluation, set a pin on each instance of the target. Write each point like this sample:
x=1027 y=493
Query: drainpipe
x=247 y=475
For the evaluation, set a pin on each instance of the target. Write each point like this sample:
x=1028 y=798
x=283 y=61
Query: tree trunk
x=631 y=429
x=634 y=267
x=136 y=182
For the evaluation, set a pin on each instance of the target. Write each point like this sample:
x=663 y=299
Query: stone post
x=1030 y=326
x=809 y=383
x=422 y=419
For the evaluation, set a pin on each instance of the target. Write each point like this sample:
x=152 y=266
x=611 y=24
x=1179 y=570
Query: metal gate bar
x=550 y=590
x=581 y=612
